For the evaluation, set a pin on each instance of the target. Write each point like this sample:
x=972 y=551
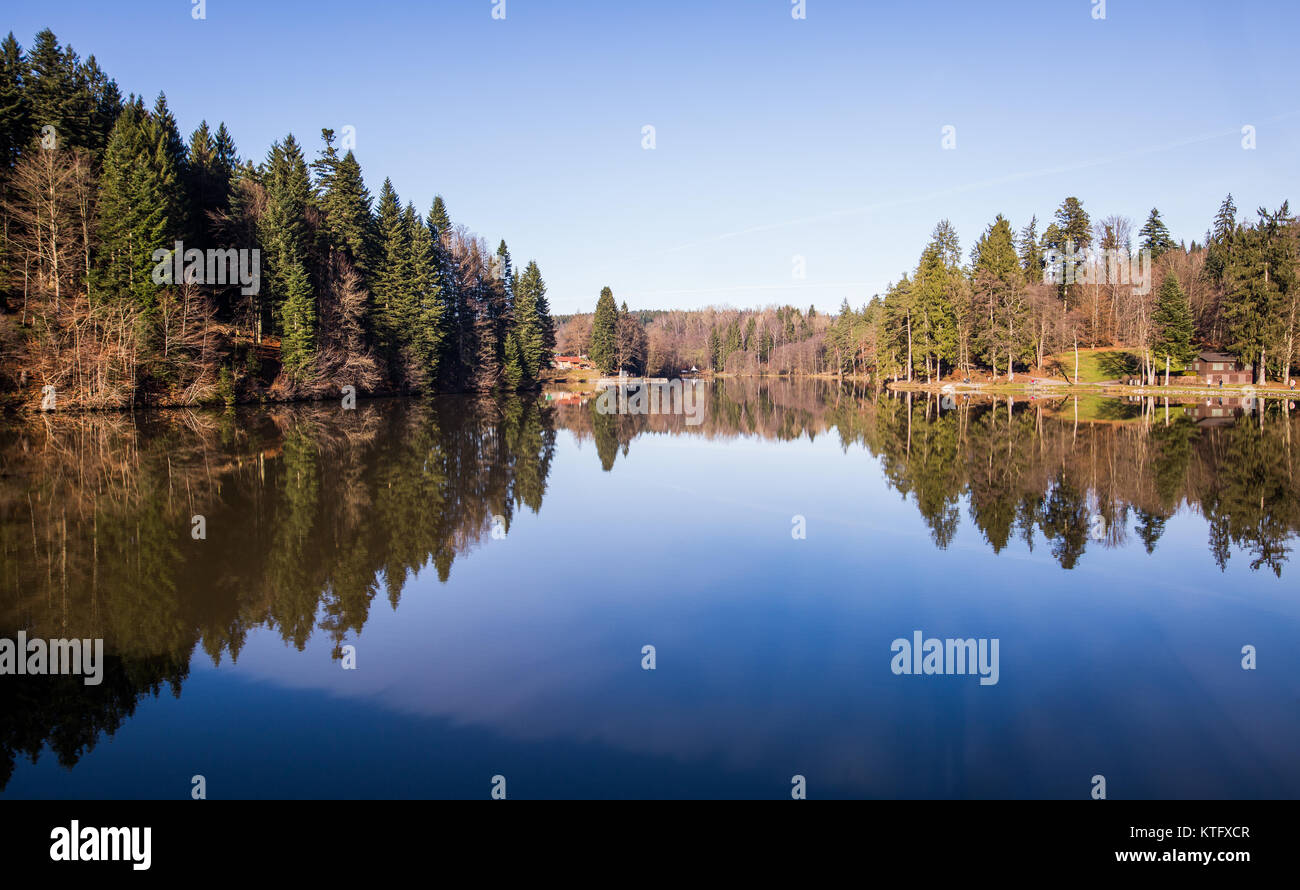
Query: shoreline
x=1108 y=390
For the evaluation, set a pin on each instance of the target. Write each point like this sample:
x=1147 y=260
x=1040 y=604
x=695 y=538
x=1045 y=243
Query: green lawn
x=1097 y=366
x=1109 y=408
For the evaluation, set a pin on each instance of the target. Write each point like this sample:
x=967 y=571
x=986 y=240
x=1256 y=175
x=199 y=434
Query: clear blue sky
x=775 y=137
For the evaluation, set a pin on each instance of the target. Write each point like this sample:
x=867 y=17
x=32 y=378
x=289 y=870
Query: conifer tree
x=56 y=96
x=937 y=276
x=298 y=344
x=1155 y=236
x=513 y=373
x=1073 y=223
x=390 y=279
x=1172 y=322
x=1260 y=278
x=15 y=104
x=286 y=240
x=439 y=221
x=208 y=179
x=531 y=321
x=1219 y=243
x=604 y=332
x=345 y=203
x=426 y=332
x=137 y=211
x=1031 y=255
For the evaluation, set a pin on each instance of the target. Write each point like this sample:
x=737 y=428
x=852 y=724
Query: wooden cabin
x=1215 y=368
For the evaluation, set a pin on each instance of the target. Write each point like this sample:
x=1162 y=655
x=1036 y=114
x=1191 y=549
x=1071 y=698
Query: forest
x=98 y=191
x=1017 y=299
x=124 y=249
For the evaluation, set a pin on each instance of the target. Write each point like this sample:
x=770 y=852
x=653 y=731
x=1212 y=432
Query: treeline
x=1022 y=297
x=1016 y=300
x=776 y=340
x=293 y=282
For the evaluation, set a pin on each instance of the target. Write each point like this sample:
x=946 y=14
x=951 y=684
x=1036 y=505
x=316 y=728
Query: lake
x=433 y=599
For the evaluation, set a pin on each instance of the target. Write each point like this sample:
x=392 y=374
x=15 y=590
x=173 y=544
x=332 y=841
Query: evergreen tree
x=1219 y=242
x=1172 y=322
x=15 y=104
x=106 y=106
x=937 y=276
x=427 y=331
x=604 y=332
x=531 y=321
x=286 y=239
x=1261 y=276
x=439 y=221
x=1073 y=223
x=169 y=133
x=209 y=175
x=345 y=203
x=1000 y=316
x=1031 y=254
x=58 y=92
x=390 y=288
x=298 y=344
x=1155 y=236
x=513 y=372
x=137 y=212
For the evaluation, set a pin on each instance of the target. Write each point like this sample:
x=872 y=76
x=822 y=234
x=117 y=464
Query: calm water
x=499 y=565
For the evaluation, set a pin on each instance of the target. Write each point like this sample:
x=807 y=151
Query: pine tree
x=286 y=239
x=345 y=203
x=427 y=331
x=1172 y=322
x=1031 y=254
x=604 y=332
x=1073 y=224
x=999 y=317
x=531 y=321
x=391 y=280
x=513 y=372
x=107 y=105
x=137 y=212
x=1155 y=236
x=1261 y=276
x=439 y=221
x=58 y=92
x=15 y=104
x=1219 y=242
x=169 y=133
x=937 y=276
x=298 y=344
x=208 y=180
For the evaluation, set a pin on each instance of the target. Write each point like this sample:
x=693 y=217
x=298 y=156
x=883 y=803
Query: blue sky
x=775 y=138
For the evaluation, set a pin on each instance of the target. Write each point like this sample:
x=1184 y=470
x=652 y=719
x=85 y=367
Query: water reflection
x=312 y=511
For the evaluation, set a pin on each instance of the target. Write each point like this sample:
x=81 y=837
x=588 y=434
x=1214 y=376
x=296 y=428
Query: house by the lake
x=564 y=362
x=1217 y=368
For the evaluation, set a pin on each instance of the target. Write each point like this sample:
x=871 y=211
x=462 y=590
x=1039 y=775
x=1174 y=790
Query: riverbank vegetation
x=1013 y=305
x=294 y=282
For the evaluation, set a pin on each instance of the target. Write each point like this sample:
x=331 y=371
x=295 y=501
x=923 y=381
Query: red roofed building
x=564 y=362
